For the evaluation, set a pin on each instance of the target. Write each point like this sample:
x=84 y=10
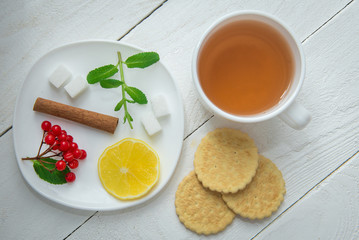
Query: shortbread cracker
x=262 y=196
x=226 y=160
x=200 y=209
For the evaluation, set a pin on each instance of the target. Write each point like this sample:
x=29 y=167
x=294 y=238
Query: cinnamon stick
x=93 y=119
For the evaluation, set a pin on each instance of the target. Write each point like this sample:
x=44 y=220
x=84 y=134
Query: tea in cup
x=248 y=67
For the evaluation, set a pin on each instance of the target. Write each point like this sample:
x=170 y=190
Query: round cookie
x=200 y=209
x=262 y=196
x=226 y=160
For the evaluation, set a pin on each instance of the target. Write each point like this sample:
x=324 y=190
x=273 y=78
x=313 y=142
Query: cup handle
x=296 y=116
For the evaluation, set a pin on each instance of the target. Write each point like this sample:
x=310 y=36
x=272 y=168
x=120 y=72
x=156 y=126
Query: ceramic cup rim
x=294 y=90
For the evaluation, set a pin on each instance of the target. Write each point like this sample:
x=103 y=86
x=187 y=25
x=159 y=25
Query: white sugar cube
x=159 y=106
x=60 y=76
x=150 y=123
x=76 y=86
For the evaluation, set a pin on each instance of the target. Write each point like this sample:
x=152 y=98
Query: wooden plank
x=304 y=157
x=30 y=30
x=24 y=213
x=176 y=39
x=329 y=211
x=27 y=32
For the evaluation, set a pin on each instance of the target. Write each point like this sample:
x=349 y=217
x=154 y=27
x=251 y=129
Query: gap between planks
x=5 y=131
x=299 y=199
x=347 y=160
x=143 y=19
x=205 y=121
x=321 y=26
x=148 y=15
x=342 y=164
x=327 y=21
x=81 y=224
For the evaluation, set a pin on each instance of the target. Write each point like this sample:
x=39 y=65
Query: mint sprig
x=129 y=94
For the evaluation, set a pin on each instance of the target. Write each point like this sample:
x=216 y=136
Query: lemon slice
x=129 y=169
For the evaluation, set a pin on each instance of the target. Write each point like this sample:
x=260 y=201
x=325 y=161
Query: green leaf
x=130 y=101
x=53 y=177
x=110 y=83
x=142 y=60
x=120 y=104
x=136 y=94
x=127 y=117
x=100 y=73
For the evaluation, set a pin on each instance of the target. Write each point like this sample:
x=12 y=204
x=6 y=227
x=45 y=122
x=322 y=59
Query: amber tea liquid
x=245 y=67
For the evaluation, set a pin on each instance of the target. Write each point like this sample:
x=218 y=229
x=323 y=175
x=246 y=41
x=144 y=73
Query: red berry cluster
x=62 y=145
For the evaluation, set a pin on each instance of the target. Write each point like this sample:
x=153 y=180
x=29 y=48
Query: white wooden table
x=320 y=164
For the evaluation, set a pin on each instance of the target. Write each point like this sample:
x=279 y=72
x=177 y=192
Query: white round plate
x=80 y=58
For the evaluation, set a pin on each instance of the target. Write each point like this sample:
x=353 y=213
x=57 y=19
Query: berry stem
x=30 y=158
x=45 y=152
x=48 y=169
x=43 y=161
x=41 y=157
x=42 y=142
x=55 y=155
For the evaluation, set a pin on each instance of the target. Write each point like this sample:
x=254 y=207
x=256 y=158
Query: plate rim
x=136 y=202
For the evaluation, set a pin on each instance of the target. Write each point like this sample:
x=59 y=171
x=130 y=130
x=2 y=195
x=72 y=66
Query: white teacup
x=291 y=112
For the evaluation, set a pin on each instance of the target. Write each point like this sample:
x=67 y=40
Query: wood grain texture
x=304 y=157
x=32 y=28
x=24 y=214
x=329 y=211
x=175 y=40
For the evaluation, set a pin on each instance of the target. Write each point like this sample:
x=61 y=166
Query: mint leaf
x=100 y=73
x=142 y=60
x=53 y=177
x=120 y=104
x=127 y=116
x=110 y=83
x=136 y=94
